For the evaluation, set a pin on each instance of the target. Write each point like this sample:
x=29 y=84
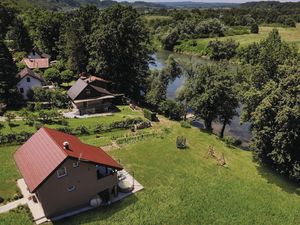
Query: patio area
x=75 y=114
x=38 y=212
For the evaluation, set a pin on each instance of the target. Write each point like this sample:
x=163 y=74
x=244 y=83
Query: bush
x=254 y=28
x=185 y=124
x=10 y=116
x=232 y=141
x=82 y=130
x=63 y=122
x=67 y=75
x=17 y=196
x=66 y=130
x=15 y=138
x=289 y=22
x=56 y=97
x=149 y=115
x=219 y=50
x=181 y=142
x=125 y=124
x=99 y=128
x=38 y=125
x=171 y=109
x=49 y=116
x=53 y=75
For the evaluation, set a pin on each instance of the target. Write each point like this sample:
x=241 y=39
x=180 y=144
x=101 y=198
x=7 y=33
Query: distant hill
x=67 y=4
x=191 y=4
x=271 y=5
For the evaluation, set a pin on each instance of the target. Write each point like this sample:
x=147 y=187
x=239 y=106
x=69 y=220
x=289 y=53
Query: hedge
x=149 y=115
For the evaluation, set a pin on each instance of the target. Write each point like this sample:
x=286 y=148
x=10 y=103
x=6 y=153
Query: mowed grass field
x=290 y=35
x=185 y=187
x=124 y=113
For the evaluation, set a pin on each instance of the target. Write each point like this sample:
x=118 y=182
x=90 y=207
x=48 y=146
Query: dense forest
x=115 y=43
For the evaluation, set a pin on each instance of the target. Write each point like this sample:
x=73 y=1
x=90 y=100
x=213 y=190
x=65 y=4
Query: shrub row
x=185 y=124
x=149 y=115
x=232 y=141
x=15 y=138
x=83 y=130
x=19 y=138
x=135 y=138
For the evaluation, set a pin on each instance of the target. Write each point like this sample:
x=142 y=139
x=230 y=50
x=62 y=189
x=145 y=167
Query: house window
x=88 y=92
x=75 y=164
x=61 y=172
x=22 y=90
x=28 y=79
x=71 y=188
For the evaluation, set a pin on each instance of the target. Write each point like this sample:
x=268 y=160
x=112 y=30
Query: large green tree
x=157 y=82
x=276 y=127
x=120 y=49
x=44 y=28
x=7 y=15
x=19 y=37
x=8 y=73
x=210 y=92
x=74 y=46
x=75 y=37
x=271 y=101
x=262 y=64
x=220 y=50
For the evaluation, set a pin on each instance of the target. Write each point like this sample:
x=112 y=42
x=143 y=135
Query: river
x=235 y=129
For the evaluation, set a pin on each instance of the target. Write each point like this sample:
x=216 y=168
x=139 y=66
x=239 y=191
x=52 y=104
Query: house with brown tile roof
x=42 y=63
x=27 y=80
x=64 y=173
x=89 y=98
x=37 y=59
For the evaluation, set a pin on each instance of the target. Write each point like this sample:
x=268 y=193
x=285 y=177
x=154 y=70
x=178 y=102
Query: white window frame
x=65 y=173
x=71 y=188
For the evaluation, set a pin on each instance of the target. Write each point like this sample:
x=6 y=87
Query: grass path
x=183 y=187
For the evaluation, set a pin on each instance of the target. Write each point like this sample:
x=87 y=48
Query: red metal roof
x=44 y=152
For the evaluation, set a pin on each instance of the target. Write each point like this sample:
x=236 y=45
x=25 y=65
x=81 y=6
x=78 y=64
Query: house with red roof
x=27 y=80
x=64 y=173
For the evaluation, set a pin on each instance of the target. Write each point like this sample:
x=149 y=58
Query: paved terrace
x=38 y=212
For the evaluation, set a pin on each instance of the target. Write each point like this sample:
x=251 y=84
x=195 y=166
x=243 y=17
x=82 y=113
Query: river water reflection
x=235 y=128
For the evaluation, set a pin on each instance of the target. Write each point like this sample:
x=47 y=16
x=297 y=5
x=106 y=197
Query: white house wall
x=28 y=85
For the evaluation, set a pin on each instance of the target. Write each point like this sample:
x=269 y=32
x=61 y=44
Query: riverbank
x=234 y=129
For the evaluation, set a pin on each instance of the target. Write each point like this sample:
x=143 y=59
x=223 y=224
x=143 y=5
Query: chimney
x=66 y=145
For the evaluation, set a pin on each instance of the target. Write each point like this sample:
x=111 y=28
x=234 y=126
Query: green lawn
x=291 y=35
x=184 y=187
x=156 y=17
x=8 y=172
x=125 y=113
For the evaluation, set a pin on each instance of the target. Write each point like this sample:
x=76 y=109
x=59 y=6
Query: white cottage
x=28 y=80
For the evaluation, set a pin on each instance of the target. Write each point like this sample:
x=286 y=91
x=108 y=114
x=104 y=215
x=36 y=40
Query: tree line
x=113 y=43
